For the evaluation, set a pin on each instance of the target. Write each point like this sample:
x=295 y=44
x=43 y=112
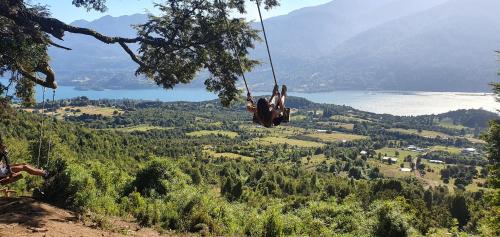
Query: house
x=364 y=153
x=405 y=169
x=321 y=131
x=420 y=149
x=412 y=147
x=436 y=161
x=469 y=150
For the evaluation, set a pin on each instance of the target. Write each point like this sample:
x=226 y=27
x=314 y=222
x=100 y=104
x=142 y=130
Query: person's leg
x=11 y=179
x=16 y=168
x=6 y=192
x=251 y=107
x=273 y=101
x=281 y=102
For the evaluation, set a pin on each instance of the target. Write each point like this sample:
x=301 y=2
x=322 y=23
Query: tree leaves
x=188 y=37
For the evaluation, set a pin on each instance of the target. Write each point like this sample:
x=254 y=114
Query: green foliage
x=274 y=225
x=493 y=139
x=185 y=38
x=160 y=176
x=169 y=180
x=489 y=224
x=25 y=89
x=391 y=220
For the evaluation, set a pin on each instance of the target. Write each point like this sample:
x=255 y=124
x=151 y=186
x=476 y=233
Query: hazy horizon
x=68 y=13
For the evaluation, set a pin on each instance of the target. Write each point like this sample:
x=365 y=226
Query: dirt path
x=25 y=216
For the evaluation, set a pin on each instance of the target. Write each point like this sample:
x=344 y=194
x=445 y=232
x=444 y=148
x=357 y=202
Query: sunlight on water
x=396 y=103
x=406 y=103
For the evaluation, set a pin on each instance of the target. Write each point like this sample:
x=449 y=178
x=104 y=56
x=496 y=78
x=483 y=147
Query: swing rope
x=236 y=53
x=234 y=46
x=265 y=39
x=52 y=121
x=41 y=129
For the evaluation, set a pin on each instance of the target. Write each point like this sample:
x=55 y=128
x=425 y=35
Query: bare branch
x=58 y=45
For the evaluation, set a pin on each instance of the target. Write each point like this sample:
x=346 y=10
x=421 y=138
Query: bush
x=160 y=176
x=81 y=189
x=390 y=220
x=274 y=225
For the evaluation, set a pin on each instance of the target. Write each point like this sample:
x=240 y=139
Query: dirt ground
x=24 y=216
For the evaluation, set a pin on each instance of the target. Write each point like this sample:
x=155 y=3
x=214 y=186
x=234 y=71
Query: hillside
x=202 y=169
x=444 y=45
x=447 y=48
x=25 y=216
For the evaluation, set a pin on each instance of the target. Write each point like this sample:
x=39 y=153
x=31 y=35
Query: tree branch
x=58 y=45
x=45 y=69
x=132 y=54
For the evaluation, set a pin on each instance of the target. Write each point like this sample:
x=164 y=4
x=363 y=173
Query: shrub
x=160 y=176
x=274 y=225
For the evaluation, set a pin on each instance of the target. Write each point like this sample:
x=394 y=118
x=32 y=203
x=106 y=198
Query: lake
x=390 y=102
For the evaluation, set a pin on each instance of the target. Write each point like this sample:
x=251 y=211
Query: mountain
x=430 y=45
x=92 y=64
x=447 y=48
x=315 y=31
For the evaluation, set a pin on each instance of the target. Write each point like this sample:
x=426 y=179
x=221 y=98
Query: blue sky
x=63 y=10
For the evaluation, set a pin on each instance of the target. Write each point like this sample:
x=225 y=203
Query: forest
x=203 y=168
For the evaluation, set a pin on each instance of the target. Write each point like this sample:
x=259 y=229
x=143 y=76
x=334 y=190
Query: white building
x=363 y=153
x=469 y=150
x=412 y=147
x=436 y=161
x=405 y=169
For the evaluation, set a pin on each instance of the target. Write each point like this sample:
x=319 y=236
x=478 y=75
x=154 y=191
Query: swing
x=10 y=173
x=286 y=113
x=41 y=128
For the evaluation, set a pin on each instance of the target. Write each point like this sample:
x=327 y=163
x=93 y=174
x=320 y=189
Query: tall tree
x=188 y=36
x=489 y=224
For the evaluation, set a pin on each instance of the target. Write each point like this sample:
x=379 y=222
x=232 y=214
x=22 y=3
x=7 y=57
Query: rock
x=36 y=229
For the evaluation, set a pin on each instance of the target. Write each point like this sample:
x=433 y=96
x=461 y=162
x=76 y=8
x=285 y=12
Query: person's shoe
x=283 y=90
x=46 y=175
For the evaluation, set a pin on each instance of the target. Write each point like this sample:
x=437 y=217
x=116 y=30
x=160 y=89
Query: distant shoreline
x=403 y=103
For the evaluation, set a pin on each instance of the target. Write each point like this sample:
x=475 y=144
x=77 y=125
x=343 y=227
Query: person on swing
x=270 y=112
x=10 y=173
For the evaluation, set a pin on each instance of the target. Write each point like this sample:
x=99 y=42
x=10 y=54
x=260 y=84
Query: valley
x=200 y=151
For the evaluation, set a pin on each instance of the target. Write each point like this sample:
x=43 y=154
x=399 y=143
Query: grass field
x=343 y=118
x=391 y=171
x=348 y=126
x=448 y=123
x=314 y=161
x=391 y=152
x=141 y=128
x=475 y=140
x=281 y=131
x=289 y=141
x=213 y=133
x=450 y=149
x=424 y=133
x=335 y=137
x=299 y=117
x=92 y=110
x=227 y=155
